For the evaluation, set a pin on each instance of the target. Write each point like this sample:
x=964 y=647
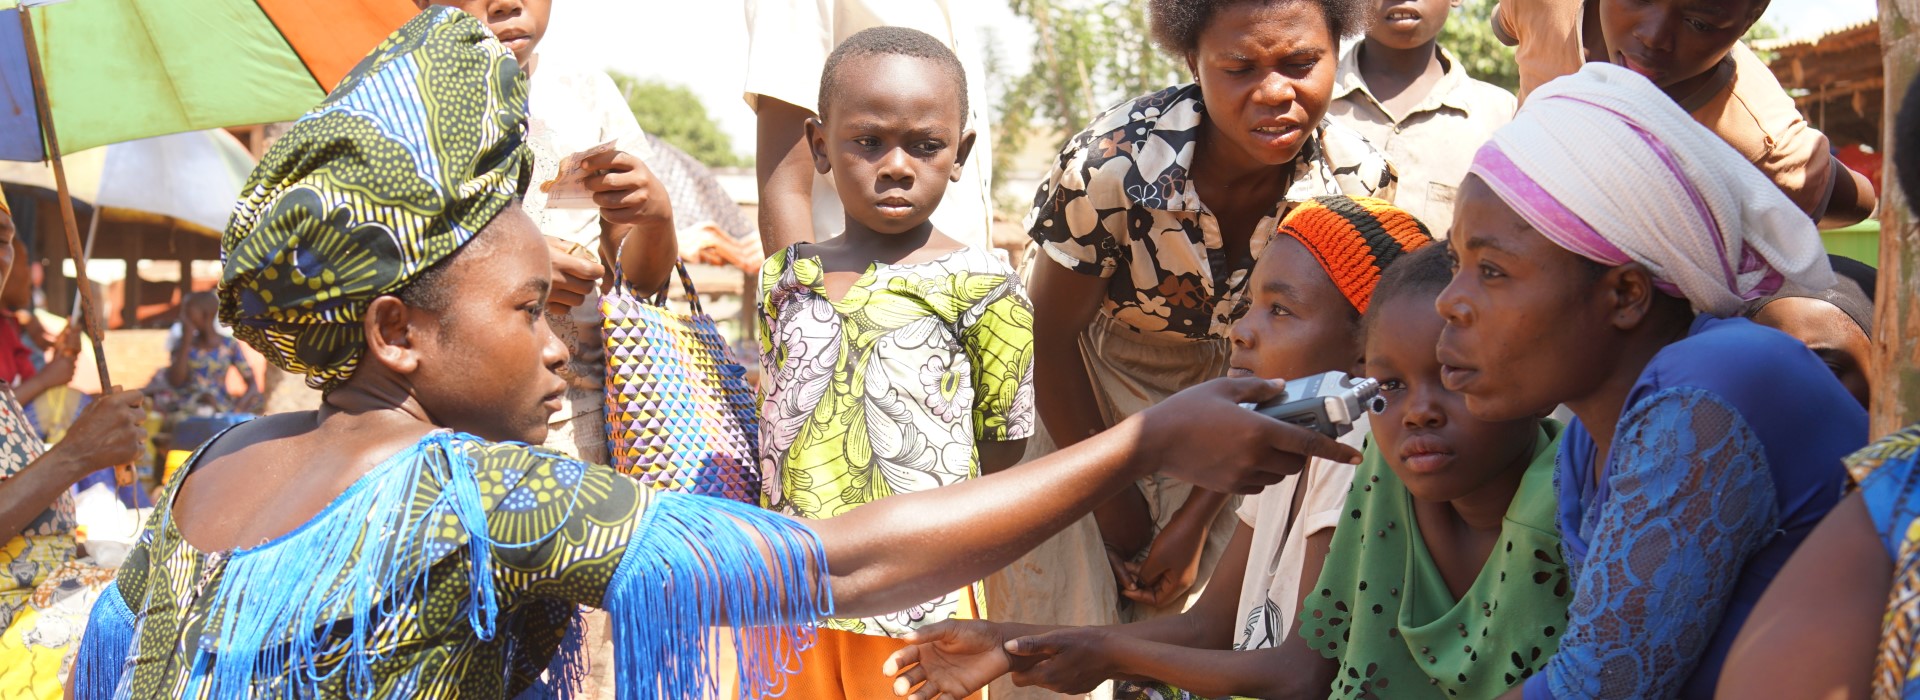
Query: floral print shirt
x=887 y=390
x=1121 y=198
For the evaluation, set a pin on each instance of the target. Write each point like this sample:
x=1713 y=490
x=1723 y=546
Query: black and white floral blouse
x=1121 y=198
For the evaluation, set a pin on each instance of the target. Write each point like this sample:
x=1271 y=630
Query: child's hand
x=250 y=402
x=1073 y=660
x=626 y=190
x=948 y=660
x=1126 y=575
x=1172 y=563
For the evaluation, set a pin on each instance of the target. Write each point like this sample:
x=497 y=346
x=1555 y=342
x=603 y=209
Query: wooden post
x=88 y=309
x=1896 y=394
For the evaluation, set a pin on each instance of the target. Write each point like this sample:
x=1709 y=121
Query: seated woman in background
x=203 y=357
x=1605 y=243
x=47 y=584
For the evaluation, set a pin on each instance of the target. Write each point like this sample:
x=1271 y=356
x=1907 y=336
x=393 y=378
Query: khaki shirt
x=1745 y=105
x=1430 y=146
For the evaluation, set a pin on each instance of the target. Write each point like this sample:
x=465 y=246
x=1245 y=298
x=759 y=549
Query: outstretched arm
x=904 y=549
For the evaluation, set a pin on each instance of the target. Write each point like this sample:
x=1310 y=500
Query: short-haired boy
x=1414 y=101
x=896 y=359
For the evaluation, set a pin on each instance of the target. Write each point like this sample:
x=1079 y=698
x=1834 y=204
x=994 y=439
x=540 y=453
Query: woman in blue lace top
x=1603 y=244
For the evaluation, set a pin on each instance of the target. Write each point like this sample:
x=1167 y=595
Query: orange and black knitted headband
x=1354 y=238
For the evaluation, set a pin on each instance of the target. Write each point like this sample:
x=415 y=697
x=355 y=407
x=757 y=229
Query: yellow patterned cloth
x=44 y=593
x=887 y=390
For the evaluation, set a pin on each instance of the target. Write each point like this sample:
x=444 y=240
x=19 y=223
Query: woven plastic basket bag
x=680 y=414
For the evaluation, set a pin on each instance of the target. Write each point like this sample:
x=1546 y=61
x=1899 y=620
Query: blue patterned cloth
x=1727 y=454
x=1888 y=472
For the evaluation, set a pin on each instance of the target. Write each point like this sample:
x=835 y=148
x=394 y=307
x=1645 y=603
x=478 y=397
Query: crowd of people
x=1622 y=450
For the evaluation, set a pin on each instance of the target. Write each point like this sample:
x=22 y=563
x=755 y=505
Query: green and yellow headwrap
x=411 y=155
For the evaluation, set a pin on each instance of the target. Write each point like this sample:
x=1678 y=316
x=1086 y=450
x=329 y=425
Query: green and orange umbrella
x=119 y=70
x=75 y=74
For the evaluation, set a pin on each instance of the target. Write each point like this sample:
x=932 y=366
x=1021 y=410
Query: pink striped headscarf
x=1605 y=165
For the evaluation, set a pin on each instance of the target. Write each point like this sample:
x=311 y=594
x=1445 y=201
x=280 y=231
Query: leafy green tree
x=1469 y=36
x=1087 y=55
x=676 y=115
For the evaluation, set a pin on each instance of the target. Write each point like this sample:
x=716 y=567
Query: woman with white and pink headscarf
x=1605 y=245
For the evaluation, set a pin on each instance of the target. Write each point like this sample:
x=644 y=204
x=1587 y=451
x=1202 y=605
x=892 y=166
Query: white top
x=1270 y=592
x=788 y=43
x=573 y=109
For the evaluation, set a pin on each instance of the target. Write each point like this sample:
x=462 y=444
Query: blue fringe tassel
x=697 y=564
x=104 y=647
x=356 y=566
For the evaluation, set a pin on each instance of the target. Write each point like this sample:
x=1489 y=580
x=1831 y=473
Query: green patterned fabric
x=409 y=157
x=887 y=390
x=558 y=530
x=1384 y=612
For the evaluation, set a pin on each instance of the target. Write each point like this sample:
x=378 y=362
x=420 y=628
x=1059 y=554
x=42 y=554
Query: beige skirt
x=1066 y=580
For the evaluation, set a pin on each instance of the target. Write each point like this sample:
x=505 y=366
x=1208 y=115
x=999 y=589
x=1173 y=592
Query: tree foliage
x=1087 y=55
x=1469 y=36
x=676 y=115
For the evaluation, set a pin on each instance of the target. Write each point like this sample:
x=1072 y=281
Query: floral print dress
x=887 y=390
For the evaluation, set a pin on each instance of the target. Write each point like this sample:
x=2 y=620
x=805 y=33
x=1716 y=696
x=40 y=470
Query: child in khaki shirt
x=1693 y=52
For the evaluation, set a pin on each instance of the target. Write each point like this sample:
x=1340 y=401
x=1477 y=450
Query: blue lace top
x=1727 y=454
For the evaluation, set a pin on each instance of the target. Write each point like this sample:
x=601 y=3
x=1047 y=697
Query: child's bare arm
x=1173 y=562
x=1077 y=659
x=785 y=171
x=1852 y=200
x=1214 y=673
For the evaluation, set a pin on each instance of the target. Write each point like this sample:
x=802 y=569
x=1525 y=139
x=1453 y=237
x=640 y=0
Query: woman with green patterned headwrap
x=404 y=541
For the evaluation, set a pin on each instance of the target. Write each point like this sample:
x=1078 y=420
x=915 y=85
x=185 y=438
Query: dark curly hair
x=1177 y=24
x=893 y=41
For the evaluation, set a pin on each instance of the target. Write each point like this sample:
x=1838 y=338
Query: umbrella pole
x=89 y=310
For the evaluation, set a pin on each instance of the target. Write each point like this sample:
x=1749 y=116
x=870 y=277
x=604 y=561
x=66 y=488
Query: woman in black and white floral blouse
x=1151 y=221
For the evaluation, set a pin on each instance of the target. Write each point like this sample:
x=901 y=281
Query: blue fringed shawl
x=303 y=609
x=104 y=647
x=699 y=563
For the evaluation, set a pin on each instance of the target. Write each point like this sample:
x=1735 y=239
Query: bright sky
x=702 y=43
